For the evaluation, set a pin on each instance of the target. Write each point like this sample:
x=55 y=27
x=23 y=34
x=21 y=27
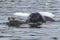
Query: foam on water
x=21 y=14
x=47 y=14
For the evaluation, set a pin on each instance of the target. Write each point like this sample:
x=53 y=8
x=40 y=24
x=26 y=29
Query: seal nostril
x=13 y=18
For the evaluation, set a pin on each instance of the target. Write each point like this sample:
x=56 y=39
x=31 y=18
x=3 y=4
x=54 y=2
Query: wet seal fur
x=35 y=17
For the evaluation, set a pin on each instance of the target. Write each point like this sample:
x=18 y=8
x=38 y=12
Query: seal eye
x=8 y=18
x=11 y=18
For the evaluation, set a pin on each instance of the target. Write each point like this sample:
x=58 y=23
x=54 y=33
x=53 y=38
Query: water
x=47 y=31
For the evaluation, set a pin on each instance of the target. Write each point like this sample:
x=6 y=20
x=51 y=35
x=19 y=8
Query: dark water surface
x=47 y=31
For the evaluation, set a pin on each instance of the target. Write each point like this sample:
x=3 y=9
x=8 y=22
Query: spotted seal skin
x=35 y=17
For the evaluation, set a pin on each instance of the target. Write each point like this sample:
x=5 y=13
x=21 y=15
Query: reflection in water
x=13 y=24
x=34 y=26
x=18 y=25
